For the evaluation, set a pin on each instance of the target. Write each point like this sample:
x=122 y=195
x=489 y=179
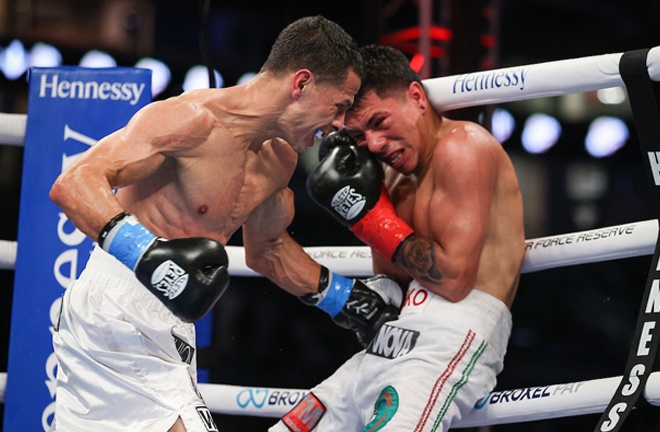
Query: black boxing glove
x=188 y=275
x=334 y=139
x=360 y=305
x=348 y=183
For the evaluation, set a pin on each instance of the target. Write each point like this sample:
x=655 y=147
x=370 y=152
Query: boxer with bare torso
x=188 y=171
x=445 y=218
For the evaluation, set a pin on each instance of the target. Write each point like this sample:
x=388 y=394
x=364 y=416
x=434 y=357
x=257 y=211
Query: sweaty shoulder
x=174 y=124
x=466 y=137
x=468 y=132
x=462 y=147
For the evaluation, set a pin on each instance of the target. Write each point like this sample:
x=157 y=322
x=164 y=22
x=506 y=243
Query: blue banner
x=69 y=110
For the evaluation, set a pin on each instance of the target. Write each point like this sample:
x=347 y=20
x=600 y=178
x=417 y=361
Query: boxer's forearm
x=285 y=262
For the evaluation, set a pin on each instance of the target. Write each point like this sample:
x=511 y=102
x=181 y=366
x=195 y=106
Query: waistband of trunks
x=479 y=310
x=101 y=262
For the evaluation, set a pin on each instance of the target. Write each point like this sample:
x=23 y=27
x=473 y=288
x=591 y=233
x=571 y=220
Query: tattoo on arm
x=418 y=257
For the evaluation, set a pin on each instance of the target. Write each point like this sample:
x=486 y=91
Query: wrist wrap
x=126 y=239
x=333 y=292
x=109 y=226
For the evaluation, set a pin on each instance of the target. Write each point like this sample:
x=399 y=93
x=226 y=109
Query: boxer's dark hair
x=317 y=44
x=385 y=71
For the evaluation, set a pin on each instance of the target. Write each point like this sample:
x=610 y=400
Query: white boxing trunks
x=420 y=373
x=126 y=363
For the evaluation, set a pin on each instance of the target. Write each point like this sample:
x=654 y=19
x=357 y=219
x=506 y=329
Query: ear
x=416 y=94
x=301 y=79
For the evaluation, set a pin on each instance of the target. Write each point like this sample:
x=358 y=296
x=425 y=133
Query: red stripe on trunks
x=442 y=379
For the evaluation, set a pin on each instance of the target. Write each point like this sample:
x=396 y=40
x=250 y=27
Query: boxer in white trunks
x=452 y=230
x=190 y=169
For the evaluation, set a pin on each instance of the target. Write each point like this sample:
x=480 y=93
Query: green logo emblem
x=384 y=409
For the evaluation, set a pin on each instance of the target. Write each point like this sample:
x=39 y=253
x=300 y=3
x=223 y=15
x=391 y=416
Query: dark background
x=570 y=324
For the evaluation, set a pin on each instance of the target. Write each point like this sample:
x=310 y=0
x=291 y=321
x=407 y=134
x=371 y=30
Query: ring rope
x=8 y=254
x=12 y=129
x=499 y=407
x=532 y=81
x=492 y=86
x=580 y=247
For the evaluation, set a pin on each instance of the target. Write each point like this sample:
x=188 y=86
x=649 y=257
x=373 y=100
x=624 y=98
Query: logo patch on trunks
x=306 y=415
x=207 y=418
x=185 y=350
x=392 y=342
x=384 y=409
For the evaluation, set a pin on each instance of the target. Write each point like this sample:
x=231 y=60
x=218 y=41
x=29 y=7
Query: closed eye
x=375 y=120
x=358 y=137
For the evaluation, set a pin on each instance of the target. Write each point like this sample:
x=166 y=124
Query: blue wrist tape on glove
x=129 y=242
x=336 y=295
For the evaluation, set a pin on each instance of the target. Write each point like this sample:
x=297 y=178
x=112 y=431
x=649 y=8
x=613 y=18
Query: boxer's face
x=388 y=127
x=322 y=107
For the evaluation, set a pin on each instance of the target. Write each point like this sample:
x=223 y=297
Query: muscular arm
x=402 y=192
x=271 y=251
x=444 y=253
x=85 y=190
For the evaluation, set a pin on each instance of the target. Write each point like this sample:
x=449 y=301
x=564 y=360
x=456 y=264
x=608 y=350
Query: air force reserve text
x=65 y=89
x=585 y=236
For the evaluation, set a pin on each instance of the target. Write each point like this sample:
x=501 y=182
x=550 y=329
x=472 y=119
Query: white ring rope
x=532 y=81
x=3 y=386
x=580 y=247
x=448 y=93
x=8 y=254
x=480 y=88
x=499 y=407
x=583 y=247
x=12 y=129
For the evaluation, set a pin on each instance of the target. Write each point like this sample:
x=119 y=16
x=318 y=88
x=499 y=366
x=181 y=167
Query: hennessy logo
x=348 y=203
x=65 y=89
x=478 y=81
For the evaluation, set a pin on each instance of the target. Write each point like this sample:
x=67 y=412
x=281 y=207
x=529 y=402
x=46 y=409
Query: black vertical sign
x=642 y=93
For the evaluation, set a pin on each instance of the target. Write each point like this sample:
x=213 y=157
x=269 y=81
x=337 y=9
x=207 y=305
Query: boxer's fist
x=358 y=305
x=372 y=303
x=348 y=183
x=188 y=275
x=332 y=140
